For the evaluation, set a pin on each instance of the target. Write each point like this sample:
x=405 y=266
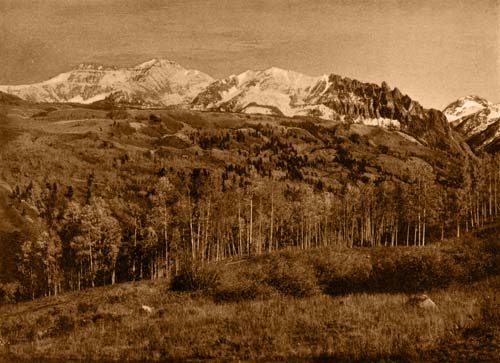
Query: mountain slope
x=477 y=120
x=273 y=91
x=465 y=106
x=279 y=92
x=8 y=99
x=367 y=101
x=283 y=92
x=157 y=82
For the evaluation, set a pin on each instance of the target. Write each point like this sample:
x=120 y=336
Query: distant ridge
x=274 y=91
x=477 y=120
x=156 y=82
x=8 y=99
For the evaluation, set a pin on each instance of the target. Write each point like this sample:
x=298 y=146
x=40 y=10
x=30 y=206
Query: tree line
x=150 y=230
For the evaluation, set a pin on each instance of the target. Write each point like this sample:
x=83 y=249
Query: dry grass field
x=280 y=307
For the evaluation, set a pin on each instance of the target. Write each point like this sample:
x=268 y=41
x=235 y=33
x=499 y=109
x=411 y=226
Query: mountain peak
x=158 y=62
x=94 y=67
x=476 y=119
x=465 y=106
x=284 y=74
x=276 y=70
x=475 y=98
x=157 y=82
x=470 y=98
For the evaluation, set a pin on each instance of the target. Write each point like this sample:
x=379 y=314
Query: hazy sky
x=436 y=51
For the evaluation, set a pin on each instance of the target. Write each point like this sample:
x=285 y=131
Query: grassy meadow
x=318 y=305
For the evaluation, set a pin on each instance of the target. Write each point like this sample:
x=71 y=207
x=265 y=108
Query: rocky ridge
x=477 y=120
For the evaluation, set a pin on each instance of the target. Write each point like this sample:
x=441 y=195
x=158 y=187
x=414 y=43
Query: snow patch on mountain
x=79 y=99
x=465 y=106
x=381 y=122
x=273 y=91
x=476 y=119
x=472 y=114
x=258 y=110
x=156 y=82
x=276 y=91
x=263 y=91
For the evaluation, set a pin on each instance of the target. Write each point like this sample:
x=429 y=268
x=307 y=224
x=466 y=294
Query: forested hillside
x=95 y=196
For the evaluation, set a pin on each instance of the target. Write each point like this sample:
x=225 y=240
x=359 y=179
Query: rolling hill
x=274 y=91
x=149 y=178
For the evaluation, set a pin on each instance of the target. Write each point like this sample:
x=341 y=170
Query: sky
x=435 y=51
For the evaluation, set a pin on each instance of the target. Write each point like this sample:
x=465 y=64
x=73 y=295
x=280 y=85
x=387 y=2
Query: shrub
x=394 y=270
x=355 y=138
x=489 y=253
x=106 y=317
x=492 y=246
x=357 y=281
x=9 y=292
x=153 y=118
x=40 y=114
x=115 y=299
x=383 y=149
x=477 y=265
x=414 y=271
x=118 y=114
x=490 y=312
x=63 y=324
x=235 y=293
x=84 y=308
x=246 y=290
x=141 y=117
x=345 y=274
x=292 y=278
x=192 y=277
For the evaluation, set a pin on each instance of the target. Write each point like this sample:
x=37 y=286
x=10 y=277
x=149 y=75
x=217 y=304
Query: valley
x=161 y=231
x=249 y=181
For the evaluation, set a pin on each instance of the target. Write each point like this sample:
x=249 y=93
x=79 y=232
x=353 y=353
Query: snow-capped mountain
x=271 y=91
x=281 y=92
x=477 y=119
x=465 y=106
x=156 y=82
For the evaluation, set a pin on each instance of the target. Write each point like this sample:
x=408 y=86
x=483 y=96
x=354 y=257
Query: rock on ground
x=422 y=301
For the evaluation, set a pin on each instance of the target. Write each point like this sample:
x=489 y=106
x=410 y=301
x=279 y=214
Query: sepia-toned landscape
x=150 y=211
